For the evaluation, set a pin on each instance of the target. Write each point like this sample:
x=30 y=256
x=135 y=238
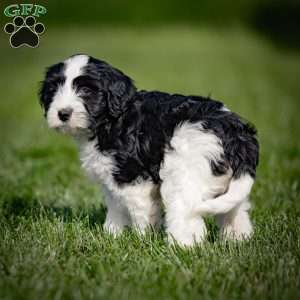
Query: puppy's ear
x=48 y=87
x=121 y=93
x=118 y=89
x=45 y=94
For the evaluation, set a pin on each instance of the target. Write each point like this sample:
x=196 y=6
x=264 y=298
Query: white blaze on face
x=66 y=98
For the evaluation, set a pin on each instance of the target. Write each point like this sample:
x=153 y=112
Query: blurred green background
x=245 y=53
x=276 y=19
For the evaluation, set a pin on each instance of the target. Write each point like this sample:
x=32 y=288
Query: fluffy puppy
x=188 y=155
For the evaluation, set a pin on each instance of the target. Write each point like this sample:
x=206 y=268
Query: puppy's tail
x=237 y=192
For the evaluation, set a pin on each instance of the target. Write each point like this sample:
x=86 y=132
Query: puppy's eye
x=86 y=89
x=85 y=85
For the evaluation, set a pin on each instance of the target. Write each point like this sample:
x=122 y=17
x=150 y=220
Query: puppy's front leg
x=144 y=215
x=144 y=206
x=117 y=217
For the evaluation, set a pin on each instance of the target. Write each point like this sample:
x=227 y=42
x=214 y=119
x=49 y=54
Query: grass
x=51 y=241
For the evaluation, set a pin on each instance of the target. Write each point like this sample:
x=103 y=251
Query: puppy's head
x=82 y=93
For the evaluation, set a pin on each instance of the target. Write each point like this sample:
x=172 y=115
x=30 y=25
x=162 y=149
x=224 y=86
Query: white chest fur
x=98 y=166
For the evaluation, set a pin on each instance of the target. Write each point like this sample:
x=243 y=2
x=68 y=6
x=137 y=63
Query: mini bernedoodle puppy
x=152 y=151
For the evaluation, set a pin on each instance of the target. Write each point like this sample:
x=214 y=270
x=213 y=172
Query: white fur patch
x=236 y=223
x=224 y=108
x=74 y=66
x=189 y=163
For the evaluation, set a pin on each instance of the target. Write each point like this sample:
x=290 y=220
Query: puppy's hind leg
x=182 y=225
x=236 y=223
x=231 y=208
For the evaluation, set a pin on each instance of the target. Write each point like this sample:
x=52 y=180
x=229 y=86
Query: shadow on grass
x=26 y=206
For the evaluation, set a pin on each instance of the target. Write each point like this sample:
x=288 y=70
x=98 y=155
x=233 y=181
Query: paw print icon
x=24 y=32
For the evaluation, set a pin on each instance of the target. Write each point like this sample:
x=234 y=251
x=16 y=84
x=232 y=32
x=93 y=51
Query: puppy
x=150 y=151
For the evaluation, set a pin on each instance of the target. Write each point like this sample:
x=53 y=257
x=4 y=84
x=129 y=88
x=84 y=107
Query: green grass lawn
x=51 y=241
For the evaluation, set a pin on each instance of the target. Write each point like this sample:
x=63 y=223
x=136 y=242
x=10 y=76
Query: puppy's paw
x=235 y=233
x=187 y=240
x=112 y=228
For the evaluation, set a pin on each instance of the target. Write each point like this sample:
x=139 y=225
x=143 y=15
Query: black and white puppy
x=150 y=151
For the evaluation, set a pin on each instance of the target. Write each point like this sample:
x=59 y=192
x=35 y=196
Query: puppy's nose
x=65 y=114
